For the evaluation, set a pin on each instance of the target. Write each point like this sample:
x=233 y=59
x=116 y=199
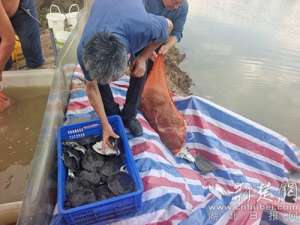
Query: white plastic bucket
x=61 y=37
x=72 y=17
x=56 y=21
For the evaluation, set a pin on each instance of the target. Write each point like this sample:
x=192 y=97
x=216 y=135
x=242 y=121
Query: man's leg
x=134 y=93
x=136 y=85
x=27 y=28
x=111 y=108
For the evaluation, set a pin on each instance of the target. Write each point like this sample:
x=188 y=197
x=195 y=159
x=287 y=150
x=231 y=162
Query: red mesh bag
x=160 y=110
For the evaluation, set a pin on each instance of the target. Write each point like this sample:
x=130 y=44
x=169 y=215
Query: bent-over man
x=117 y=32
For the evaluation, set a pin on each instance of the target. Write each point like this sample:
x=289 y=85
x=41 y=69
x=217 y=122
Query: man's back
x=128 y=20
x=118 y=11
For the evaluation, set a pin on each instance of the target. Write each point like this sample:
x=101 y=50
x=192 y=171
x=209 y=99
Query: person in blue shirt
x=176 y=11
x=115 y=32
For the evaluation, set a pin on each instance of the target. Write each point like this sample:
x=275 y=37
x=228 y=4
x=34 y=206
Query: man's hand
x=138 y=67
x=167 y=46
x=164 y=49
x=95 y=99
x=153 y=56
x=108 y=132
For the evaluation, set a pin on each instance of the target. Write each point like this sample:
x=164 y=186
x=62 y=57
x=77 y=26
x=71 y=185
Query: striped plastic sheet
x=252 y=163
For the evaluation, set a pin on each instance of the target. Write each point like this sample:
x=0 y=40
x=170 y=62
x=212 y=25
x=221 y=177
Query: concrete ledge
x=25 y=78
x=9 y=212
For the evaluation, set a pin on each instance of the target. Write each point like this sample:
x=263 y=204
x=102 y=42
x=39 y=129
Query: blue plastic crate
x=105 y=210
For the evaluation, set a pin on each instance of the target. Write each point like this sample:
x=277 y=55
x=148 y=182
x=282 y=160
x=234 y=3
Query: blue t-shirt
x=177 y=16
x=128 y=21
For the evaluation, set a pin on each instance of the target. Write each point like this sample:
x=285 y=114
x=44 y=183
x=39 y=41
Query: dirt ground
x=178 y=80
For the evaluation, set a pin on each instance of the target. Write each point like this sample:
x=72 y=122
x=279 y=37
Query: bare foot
x=4 y=102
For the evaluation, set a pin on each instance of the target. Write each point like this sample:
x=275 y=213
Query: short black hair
x=105 y=57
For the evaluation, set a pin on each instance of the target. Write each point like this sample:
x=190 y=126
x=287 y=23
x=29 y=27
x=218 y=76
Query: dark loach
x=75 y=146
x=71 y=162
x=120 y=183
x=114 y=142
x=73 y=185
x=102 y=192
x=112 y=166
x=88 y=141
x=77 y=154
x=92 y=161
x=89 y=178
x=79 y=198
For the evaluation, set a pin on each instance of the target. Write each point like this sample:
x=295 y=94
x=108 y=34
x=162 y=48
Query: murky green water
x=245 y=56
x=19 y=130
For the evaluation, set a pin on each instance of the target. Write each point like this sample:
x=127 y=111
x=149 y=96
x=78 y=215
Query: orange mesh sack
x=160 y=110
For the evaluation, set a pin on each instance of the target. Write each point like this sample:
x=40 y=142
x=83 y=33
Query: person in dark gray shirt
x=176 y=11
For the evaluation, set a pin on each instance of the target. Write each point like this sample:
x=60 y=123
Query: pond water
x=19 y=130
x=244 y=55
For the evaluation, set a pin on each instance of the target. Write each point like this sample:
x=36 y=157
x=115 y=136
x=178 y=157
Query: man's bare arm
x=95 y=99
x=7 y=36
x=166 y=47
x=138 y=67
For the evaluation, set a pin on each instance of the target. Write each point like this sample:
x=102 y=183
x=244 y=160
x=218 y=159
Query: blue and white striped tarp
x=252 y=163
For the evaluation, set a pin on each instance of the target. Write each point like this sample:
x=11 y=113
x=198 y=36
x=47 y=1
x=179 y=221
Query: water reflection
x=247 y=58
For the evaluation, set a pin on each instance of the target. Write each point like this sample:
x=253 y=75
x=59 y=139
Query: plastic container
x=61 y=37
x=17 y=54
x=72 y=17
x=100 y=212
x=56 y=21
